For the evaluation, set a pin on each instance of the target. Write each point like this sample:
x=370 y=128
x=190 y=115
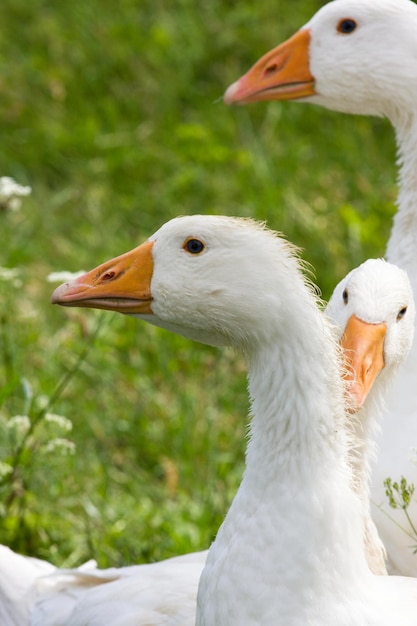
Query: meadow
x=119 y=441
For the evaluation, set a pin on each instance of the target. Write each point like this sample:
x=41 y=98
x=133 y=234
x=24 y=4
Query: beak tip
x=229 y=95
x=57 y=296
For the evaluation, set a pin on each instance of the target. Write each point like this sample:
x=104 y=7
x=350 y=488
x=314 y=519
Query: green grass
x=112 y=112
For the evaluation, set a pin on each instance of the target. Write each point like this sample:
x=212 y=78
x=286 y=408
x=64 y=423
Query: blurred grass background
x=112 y=112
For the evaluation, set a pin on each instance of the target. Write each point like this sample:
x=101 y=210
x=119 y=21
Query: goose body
x=35 y=593
x=139 y=595
x=18 y=576
x=290 y=551
x=360 y=57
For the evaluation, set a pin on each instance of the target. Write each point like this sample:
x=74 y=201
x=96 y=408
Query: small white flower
x=9 y=187
x=5 y=469
x=42 y=401
x=19 y=423
x=9 y=273
x=64 y=446
x=63 y=277
x=59 y=420
x=11 y=192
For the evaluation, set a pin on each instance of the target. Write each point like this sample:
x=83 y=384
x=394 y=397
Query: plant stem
x=59 y=389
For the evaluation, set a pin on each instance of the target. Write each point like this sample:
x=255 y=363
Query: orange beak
x=363 y=346
x=122 y=284
x=281 y=74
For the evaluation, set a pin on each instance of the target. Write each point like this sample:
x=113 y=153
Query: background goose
x=35 y=593
x=360 y=56
x=287 y=552
x=372 y=304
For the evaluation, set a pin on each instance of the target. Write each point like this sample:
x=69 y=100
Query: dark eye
x=345 y=296
x=346 y=26
x=194 y=246
x=401 y=313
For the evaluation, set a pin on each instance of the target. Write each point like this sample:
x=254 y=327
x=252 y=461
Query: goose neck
x=293 y=412
x=403 y=240
x=287 y=544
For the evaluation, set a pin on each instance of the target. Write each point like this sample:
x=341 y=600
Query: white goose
x=360 y=56
x=365 y=306
x=290 y=550
x=372 y=304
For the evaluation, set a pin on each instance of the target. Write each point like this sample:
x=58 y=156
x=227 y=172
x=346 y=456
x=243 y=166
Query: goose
x=369 y=306
x=366 y=308
x=360 y=57
x=290 y=550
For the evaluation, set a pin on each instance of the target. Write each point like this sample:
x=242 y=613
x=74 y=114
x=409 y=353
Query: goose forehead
x=380 y=11
x=217 y=226
x=378 y=270
x=378 y=289
x=238 y=237
x=378 y=22
x=376 y=292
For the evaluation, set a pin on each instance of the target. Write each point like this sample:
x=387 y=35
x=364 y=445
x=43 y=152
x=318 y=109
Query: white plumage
x=372 y=303
x=290 y=550
x=360 y=56
x=35 y=593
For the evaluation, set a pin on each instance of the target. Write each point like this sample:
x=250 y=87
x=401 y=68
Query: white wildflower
x=5 y=469
x=63 y=277
x=11 y=192
x=9 y=273
x=42 y=401
x=64 y=446
x=59 y=420
x=19 y=423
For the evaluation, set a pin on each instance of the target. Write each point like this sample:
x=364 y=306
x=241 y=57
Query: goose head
x=209 y=278
x=353 y=56
x=373 y=308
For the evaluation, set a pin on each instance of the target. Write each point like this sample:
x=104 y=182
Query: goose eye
x=345 y=296
x=194 y=246
x=401 y=313
x=346 y=26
